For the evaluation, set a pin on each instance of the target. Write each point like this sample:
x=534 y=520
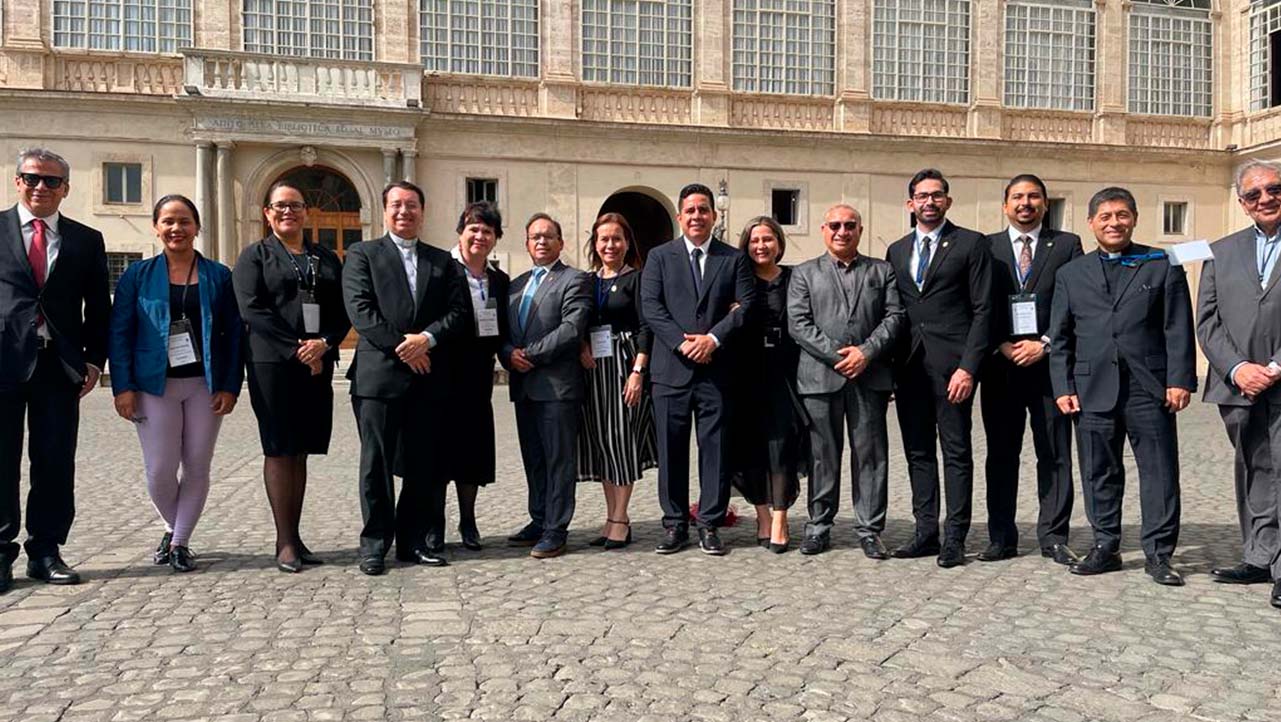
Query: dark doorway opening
x=647 y=216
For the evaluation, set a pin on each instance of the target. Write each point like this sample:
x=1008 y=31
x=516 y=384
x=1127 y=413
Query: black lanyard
x=306 y=279
x=182 y=305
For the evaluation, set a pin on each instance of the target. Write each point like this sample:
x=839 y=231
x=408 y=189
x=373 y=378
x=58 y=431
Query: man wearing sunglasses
x=54 y=310
x=1239 y=325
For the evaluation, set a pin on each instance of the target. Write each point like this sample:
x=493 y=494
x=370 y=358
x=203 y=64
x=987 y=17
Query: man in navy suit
x=54 y=315
x=695 y=293
x=1122 y=360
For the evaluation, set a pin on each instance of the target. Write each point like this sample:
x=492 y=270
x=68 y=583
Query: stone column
x=853 y=67
x=208 y=238
x=987 y=67
x=409 y=161
x=1111 y=71
x=389 y=166
x=228 y=232
x=712 y=51
x=558 y=91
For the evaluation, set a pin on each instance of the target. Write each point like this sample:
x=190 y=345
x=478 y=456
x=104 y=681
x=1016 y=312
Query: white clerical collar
x=402 y=243
x=25 y=216
x=1016 y=234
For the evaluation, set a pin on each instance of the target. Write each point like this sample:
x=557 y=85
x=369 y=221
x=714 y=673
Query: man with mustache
x=1026 y=258
x=1239 y=325
x=944 y=278
x=1122 y=361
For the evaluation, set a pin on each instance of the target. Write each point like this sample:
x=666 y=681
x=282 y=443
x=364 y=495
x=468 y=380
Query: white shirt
x=479 y=287
x=408 y=249
x=702 y=260
x=1017 y=245
x=915 y=258
x=52 y=242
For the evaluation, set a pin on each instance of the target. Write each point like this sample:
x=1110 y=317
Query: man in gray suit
x=844 y=311
x=1239 y=326
x=547 y=313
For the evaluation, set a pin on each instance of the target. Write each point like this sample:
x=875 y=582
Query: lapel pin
x=613 y=288
x=1049 y=245
x=945 y=244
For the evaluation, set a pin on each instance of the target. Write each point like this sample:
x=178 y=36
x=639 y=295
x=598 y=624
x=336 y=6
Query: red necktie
x=39 y=254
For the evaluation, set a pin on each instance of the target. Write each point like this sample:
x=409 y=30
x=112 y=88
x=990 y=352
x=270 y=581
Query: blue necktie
x=694 y=255
x=527 y=298
x=924 y=263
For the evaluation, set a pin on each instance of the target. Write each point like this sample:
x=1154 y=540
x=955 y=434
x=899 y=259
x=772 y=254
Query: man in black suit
x=944 y=277
x=1016 y=376
x=1122 y=358
x=54 y=309
x=547 y=312
x=404 y=298
x=695 y=293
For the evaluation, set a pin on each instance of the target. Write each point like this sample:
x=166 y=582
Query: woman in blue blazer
x=176 y=368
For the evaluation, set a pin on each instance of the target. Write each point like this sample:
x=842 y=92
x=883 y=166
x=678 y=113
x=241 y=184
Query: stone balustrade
x=782 y=112
x=919 y=119
x=1168 y=132
x=1048 y=126
x=635 y=105
x=482 y=96
x=116 y=73
x=253 y=76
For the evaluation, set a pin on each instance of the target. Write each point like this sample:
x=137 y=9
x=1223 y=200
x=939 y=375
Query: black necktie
x=694 y=255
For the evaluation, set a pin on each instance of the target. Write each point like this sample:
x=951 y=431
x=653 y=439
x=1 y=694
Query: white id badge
x=181 y=349
x=1023 y=314
x=487 y=322
x=311 y=317
x=602 y=342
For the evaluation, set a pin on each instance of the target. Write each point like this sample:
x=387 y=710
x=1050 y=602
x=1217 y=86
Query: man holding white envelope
x=1239 y=326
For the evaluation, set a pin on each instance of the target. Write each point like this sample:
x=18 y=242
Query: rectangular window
x=921 y=50
x=785 y=205
x=1170 y=59
x=140 y=26
x=482 y=189
x=1175 y=218
x=1049 y=54
x=122 y=182
x=1055 y=213
x=638 y=42
x=480 y=37
x=1265 y=22
x=116 y=265
x=337 y=29
x=785 y=46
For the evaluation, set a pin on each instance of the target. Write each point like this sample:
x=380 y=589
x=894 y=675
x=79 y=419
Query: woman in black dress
x=290 y=296
x=470 y=363
x=768 y=425
x=617 y=441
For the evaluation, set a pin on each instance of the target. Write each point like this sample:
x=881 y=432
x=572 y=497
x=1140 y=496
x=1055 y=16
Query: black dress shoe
x=52 y=569
x=998 y=552
x=373 y=565
x=1061 y=554
x=290 y=566
x=1243 y=573
x=873 y=547
x=6 y=576
x=1098 y=561
x=917 y=548
x=470 y=536
x=1276 y=595
x=674 y=540
x=526 y=537
x=816 y=544
x=1162 y=572
x=952 y=555
x=425 y=556
x=709 y=542
x=182 y=560
x=306 y=556
x=161 y=555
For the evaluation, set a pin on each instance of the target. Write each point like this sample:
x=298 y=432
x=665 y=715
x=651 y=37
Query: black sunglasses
x=836 y=226
x=1253 y=196
x=52 y=182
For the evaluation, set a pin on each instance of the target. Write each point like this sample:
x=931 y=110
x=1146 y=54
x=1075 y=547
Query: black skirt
x=295 y=410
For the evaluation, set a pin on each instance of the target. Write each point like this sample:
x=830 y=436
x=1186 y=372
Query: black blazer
x=950 y=319
x=671 y=308
x=75 y=301
x=268 y=293
x=469 y=360
x=376 y=293
x=1148 y=326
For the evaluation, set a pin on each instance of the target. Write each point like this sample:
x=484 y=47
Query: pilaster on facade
x=24 y=24
x=987 y=68
x=853 y=110
x=217 y=24
x=208 y=238
x=1112 y=44
x=713 y=39
x=228 y=238
x=396 y=22
x=558 y=91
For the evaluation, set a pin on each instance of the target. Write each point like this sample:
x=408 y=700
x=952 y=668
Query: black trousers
x=1153 y=437
x=396 y=436
x=703 y=402
x=860 y=411
x=1255 y=432
x=1011 y=396
x=927 y=421
x=548 y=432
x=49 y=404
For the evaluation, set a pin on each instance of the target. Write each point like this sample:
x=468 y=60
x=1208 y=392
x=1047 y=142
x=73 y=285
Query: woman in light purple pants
x=176 y=369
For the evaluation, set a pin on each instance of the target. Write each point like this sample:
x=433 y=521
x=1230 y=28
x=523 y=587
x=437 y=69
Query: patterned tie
x=38 y=253
x=1025 y=258
x=527 y=298
x=924 y=263
x=694 y=268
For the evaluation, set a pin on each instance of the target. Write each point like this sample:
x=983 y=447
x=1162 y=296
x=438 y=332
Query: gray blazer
x=556 y=325
x=1236 y=319
x=821 y=321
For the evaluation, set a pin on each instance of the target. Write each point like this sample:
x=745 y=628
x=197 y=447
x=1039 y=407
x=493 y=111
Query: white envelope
x=1190 y=252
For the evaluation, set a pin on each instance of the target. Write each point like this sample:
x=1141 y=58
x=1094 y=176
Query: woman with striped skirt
x=616 y=440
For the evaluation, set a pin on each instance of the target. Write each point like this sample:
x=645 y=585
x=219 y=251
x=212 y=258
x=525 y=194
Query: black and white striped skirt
x=616 y=442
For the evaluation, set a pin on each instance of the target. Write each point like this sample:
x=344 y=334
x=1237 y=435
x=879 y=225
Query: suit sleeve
x=362 y=303
x=1220 y=350
x=575 y=309
x=1180 y=348
x=744 y=294
x=97 y=306
x=800 y=321
x=978 y=340
x=1062 y=340
x=654 y=310
x=124 y=333
x=232 y=330
x=256 y=304
x=458 y=312
x=880 y=343
x=336 y=324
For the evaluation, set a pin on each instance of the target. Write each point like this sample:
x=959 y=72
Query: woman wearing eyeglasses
x=768 y=426
x=290 y=296
x=176 y=369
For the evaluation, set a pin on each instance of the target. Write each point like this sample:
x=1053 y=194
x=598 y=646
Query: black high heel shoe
x=780 y=548
x=615 y=544
x=161 y=555
x=290 y=566
x=306 y=557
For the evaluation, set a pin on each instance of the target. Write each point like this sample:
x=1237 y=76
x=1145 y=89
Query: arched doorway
x=649 y=217
x=333 y=206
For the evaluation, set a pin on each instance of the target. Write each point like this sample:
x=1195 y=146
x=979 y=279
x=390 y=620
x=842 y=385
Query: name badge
x=602 y=342
x=486 y=322
x=310 y=313
x=181 y=349
x=1023 y=314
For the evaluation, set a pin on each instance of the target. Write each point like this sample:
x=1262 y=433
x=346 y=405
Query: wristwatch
x=640 y=370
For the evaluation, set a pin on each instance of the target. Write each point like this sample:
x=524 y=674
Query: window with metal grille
x=480 y=37
x=142 y=26
x=1049 y=54
x=1170 y=57
x=116 y=265
x=785 y=46
x=921 y=50
x=1264 y=55
x=482 y=189
x=638 y=42
x=338 y=29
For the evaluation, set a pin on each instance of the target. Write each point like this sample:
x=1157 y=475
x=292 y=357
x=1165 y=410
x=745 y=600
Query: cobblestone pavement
x=621 y=635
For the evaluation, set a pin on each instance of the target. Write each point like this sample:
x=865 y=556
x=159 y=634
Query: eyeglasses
x=836 y=226
x=1256 y=195
x=293 y=206
x=536 y=237
x=52 y=182
x=936 y=196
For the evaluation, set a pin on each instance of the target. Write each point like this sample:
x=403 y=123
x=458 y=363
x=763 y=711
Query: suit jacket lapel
x=390 y=254
x=1094 y=270
x=424 y=276
x=941 y=248
x=12 y=226
x=711 y=267
x=1004 y=252
x=1044 y=247
x=1129 y=273
x=541 y=292
x=833 y=274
